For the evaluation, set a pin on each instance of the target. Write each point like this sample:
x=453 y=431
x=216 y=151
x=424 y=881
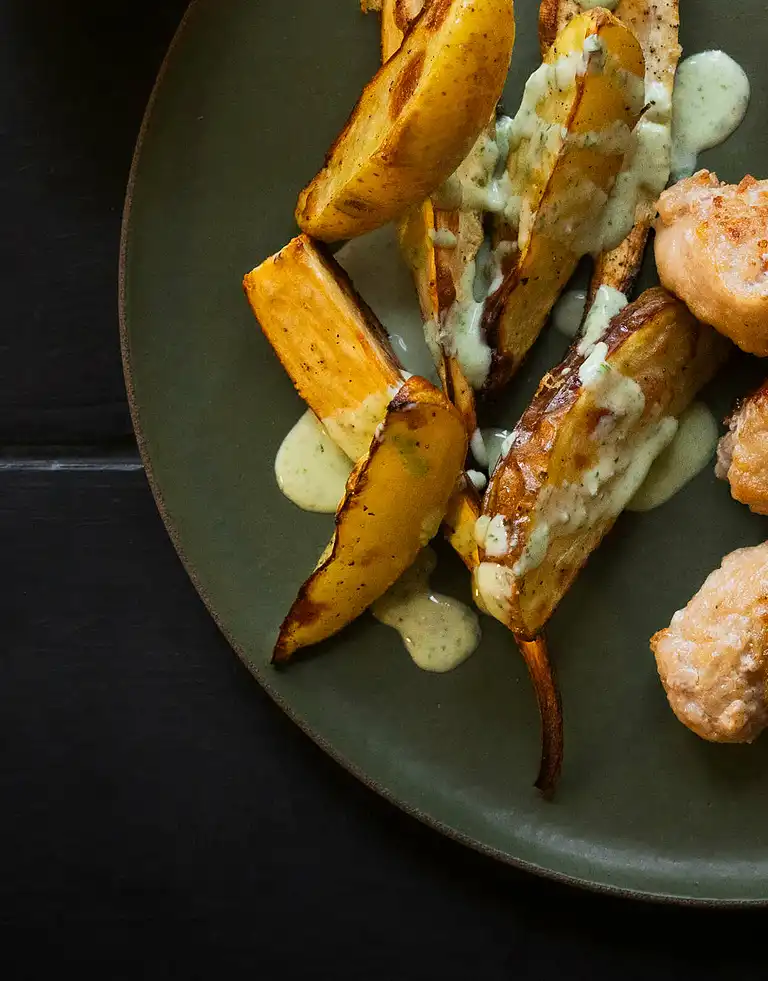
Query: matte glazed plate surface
x=252 y=94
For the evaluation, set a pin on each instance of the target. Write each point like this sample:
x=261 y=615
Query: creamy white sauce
x=443 y=238
x=310 y=468
x=374 y=264
x=645 y=171
x=477 y=447
x=568 y=312
x=571 y=216
x=352 y=429
x=687 y=455
x=606 y=304
x=478 y=479
x=709 y=102
x=611 y=390
x=480 y=183
x=438 y=631
x=462 y=334
x=495 y=539
x=493 y=586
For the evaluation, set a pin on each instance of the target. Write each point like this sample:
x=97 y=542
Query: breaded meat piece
x=712 y=251
x=712 y=658
x=742 y=454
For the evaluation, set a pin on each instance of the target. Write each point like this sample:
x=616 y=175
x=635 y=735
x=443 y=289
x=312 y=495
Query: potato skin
x=670 y=355
x=415 y=121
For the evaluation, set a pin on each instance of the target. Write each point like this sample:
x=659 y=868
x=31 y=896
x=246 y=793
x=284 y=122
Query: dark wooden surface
x=159 y=817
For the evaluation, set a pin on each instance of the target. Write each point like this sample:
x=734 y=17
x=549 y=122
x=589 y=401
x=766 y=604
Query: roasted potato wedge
x=396 y=498
x=572 y=132
x=655 y=24
x=581 y=450
x=330 y=343
x=415 y=121
x=440 y=242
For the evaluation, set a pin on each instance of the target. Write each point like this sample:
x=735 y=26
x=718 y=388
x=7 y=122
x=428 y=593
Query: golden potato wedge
x=415 y=121
x=330 y=343
x=568 y=145
x=440 y=242
x=645 y=173
x=396 y=498
x=581 y=450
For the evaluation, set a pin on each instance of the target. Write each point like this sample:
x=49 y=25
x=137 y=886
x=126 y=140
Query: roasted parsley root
x=415 y=121
x=580 y=451
x=545 y=685
x=395 y=501
x=562 y=174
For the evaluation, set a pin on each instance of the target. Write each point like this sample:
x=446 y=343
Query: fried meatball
x=712 y=251
x=742 y=454
x=713 y=657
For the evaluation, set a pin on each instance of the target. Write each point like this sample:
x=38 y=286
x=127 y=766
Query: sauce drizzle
x=310 y=468
x=710 y=100
x=439 y=632
x=691 y=449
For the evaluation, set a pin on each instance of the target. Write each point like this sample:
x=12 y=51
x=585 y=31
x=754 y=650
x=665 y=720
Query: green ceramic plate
x=252 y=93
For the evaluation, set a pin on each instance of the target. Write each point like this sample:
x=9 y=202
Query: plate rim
x=432 y=822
